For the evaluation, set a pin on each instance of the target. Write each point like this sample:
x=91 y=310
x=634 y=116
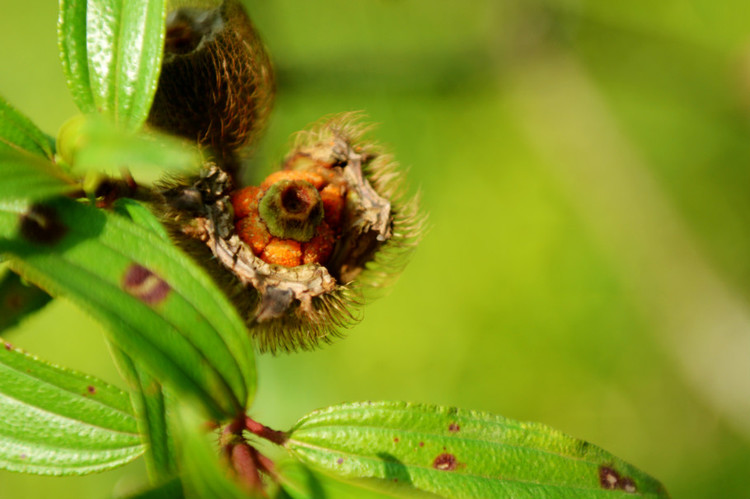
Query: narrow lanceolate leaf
x=171 y=489
x=157 y=304
x=124 y=45
x=18 y=133
x=150 y=406
x=140 y=215
x=99 y=145
x=18 y=300
x=71 y=40
x=25 y=180
x=146 y=392
x=59 y=422
x=297 y=481
x=463 y=454
x=28 y=178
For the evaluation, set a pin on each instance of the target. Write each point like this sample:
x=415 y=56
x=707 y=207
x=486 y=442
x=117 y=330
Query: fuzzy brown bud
x=216 y=83
x=299 y=289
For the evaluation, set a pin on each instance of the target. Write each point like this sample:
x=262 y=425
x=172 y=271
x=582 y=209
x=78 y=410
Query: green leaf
x=18 y=133
x=71 y=39
x=94 y=144
x=298 y=481
x=124 y=45
x=158 y=305
x=140 y=215
x=18 y=300
x=28 y=178
x=171 y=489
x=150 y=405
x=59 y=422
x=147 y=394
x=462 y=454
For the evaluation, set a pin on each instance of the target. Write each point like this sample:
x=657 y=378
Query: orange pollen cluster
x=253 y=231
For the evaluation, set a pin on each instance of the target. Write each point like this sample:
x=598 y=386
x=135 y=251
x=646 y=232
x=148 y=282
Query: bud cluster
x=297 y=252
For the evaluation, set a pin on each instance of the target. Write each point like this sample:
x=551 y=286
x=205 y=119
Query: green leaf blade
x=171 y=489
x=101 y=146
x=141 y=50
x=463 y=454
x=19 y=134
x=28 y=178
x=18 y=300
x=59 y=422
x=298 y=481
x=158 y=305
x=124 y=43
x=150 y=405
x=71 y=39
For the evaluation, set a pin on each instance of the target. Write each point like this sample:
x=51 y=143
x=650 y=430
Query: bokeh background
x=586 y=167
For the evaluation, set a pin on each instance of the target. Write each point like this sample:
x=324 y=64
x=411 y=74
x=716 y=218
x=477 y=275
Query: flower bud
x=291 y=209
x=300 y=248
x=216 y=83
x=296 y=252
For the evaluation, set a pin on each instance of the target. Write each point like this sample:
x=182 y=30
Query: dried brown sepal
x=383 y=223
x=216 y=85
x=297 y=307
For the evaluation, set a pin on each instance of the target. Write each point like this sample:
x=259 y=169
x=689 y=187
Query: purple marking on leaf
x=145 y=285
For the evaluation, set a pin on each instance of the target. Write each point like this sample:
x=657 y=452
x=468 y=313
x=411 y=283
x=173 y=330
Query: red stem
x=245 y=462
x=274 y=436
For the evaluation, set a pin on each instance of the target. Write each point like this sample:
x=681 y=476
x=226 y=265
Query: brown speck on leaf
x=91 y=389
x=395 y=440
x=610 y=479
x=22 y=456
x=453 y=427
x=8 y=346
x=445 y=462
x=145 y=285
x=421 y=444
x=340 y=460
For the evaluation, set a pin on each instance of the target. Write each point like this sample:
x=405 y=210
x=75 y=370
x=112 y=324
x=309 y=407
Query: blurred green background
x=586 y=167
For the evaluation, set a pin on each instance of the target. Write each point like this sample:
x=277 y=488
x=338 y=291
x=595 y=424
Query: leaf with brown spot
x=26 y=179
x=158 y=306
x=490 y=456
x=60 y=422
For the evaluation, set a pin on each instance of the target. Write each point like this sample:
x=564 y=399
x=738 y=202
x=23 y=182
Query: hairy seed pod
x=352 y=229
x=216 y=84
